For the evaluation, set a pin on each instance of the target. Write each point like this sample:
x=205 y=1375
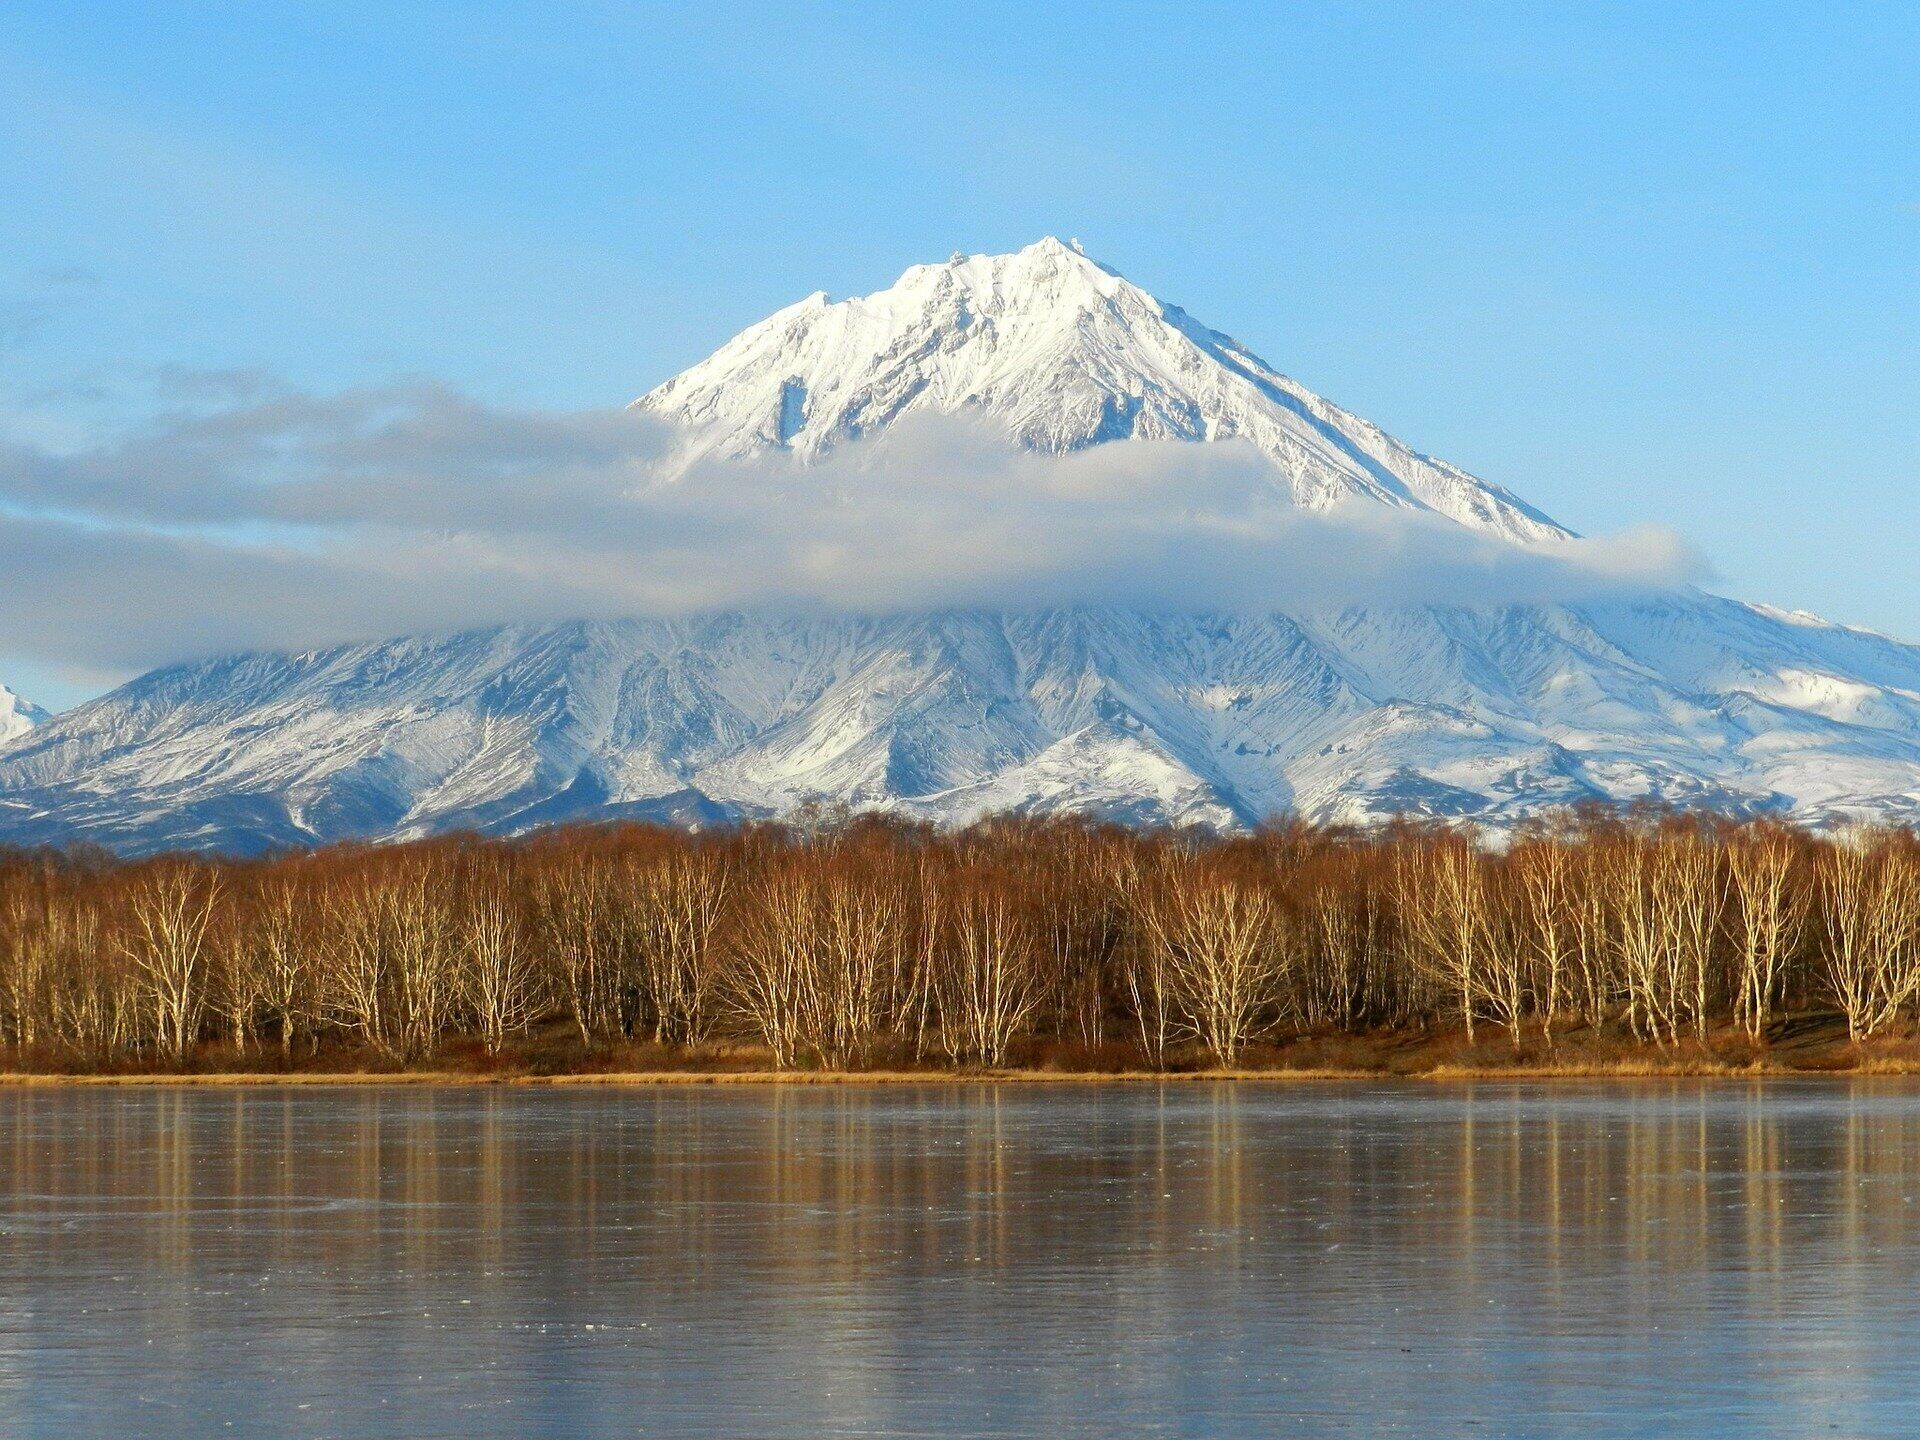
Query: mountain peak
x=1046 y=247
x=18 y=715
x=1047 y=278
x=1064 y=353
x=1054 y=245
x=1053 y=248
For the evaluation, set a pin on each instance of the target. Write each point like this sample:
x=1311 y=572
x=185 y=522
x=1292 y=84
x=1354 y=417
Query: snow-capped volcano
x=1491 y=712
x=1065 y=354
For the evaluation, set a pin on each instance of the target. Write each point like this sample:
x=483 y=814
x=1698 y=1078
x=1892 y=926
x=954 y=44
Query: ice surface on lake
x=1648 y=1258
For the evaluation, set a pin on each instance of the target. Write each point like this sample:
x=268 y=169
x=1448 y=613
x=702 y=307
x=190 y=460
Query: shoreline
x=639 y=1079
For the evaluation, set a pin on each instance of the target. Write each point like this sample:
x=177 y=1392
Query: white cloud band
x=291 y=520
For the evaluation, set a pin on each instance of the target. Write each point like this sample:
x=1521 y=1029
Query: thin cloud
x=39 y=300
x=262 y=518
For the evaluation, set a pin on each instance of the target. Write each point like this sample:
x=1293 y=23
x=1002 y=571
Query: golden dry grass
x=1805 y=1044
x=1626 y=1067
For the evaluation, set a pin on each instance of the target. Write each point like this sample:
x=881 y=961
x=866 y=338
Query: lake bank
x=1813 y=1045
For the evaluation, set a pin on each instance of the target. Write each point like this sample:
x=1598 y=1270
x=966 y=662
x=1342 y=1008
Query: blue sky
x=1638 y=268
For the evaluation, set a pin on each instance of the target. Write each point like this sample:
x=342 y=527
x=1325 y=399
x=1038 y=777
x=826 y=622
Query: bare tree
x=1664 y=901
x=500 y=982
x=1146 y=967
x=1594 y=951
x=237 y=993
x=680 y=903
x=1768 y=917
x=1448 y=919
x=288 y=968
x=989 y=984
x=1342 y=964
x=816 y=964
x=1224 y=948
x=171 y=911
x=30 y=951
x=589 y=938
x=1870 y=893
x=420 y=932
x=357 y=962
x=773 y=965
x=1693 y=897
x=1548 y=923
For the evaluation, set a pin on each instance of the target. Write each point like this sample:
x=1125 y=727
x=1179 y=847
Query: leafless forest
x=864 y=945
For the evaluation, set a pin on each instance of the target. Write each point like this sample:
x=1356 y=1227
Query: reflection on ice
x=1584 y=1259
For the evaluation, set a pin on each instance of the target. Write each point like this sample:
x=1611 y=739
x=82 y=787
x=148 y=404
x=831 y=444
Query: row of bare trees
x=862 y=943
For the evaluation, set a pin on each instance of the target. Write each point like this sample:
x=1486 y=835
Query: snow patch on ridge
x=18 y=715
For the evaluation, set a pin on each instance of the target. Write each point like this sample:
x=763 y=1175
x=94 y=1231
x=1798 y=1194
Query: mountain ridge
x=1490 y=716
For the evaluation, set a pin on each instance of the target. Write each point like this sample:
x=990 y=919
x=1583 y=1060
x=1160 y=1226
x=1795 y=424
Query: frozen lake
x=1642 y=1258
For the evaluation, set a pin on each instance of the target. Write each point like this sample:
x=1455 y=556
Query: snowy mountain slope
x=18 y=715
x=1212 y=719
x=1065 y=354
x=1494 y=713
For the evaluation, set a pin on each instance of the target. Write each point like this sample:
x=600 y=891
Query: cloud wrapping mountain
x=1011 y=535
x=298 y=520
